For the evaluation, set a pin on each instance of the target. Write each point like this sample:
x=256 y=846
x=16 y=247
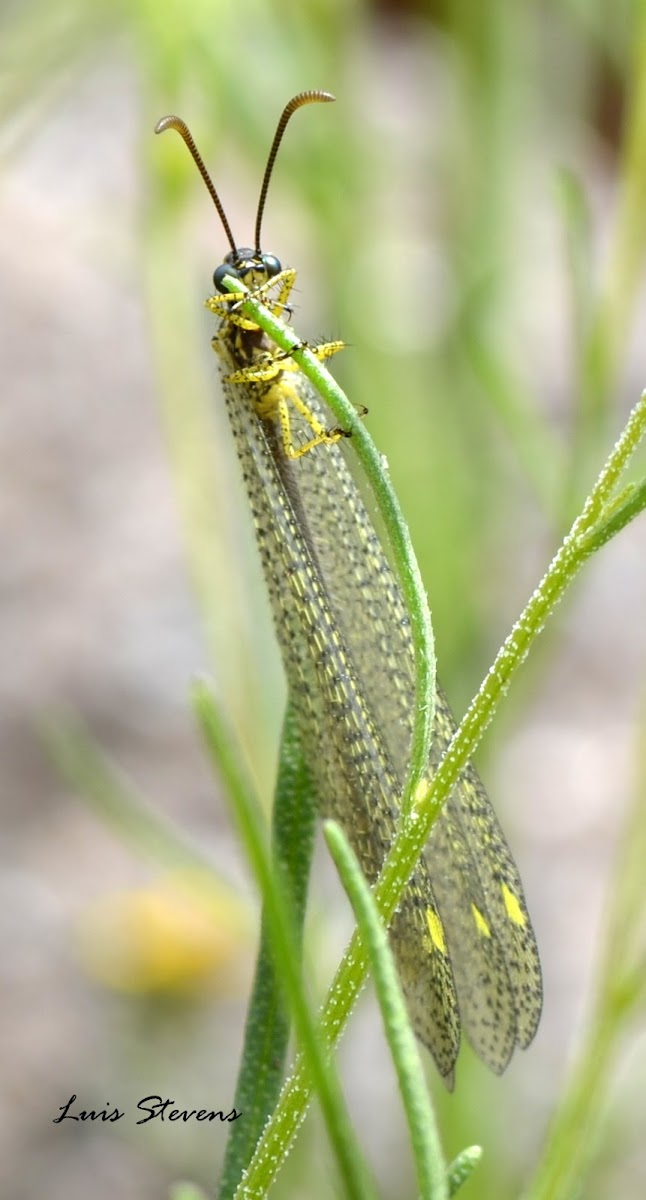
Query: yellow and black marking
x=462 y=937
x=267 y=370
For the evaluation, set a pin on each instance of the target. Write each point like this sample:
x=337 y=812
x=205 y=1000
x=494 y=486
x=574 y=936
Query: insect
x=461 y=936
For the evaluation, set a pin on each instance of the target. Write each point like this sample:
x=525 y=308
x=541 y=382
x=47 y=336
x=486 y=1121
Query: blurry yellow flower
x=180 y=935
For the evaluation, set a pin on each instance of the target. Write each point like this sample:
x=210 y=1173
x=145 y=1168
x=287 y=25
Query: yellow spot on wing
x=513 y=909
x=436 y=930
x=481 y=924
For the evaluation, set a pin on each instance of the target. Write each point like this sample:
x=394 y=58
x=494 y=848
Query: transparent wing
x=461 y=937
x=481 y=901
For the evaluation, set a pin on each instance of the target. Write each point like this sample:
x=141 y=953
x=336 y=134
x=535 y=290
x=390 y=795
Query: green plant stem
x=462 y=1168
x=267 y=1027
x=615 y=305
x=425 y=1138
x=117 y=803
x=573 y=1132
x=630 y=504
x=574 y=1141
x=401 y=546
x=321 y=1071
x=278 y=1134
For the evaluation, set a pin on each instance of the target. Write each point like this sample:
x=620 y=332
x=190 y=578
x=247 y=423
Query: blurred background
x=469 y=217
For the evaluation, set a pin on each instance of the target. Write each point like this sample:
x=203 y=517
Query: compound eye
x=271 y=264
x=225 y=268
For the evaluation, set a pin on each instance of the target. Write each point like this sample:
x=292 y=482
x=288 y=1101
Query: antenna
x=294 y=104
x=180 y=126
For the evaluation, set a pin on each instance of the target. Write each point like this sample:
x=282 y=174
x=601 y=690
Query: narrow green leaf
x=320 y=1069
x=462 y=1168
x=267 y=1027
x=115 y=800
x=425 y=1139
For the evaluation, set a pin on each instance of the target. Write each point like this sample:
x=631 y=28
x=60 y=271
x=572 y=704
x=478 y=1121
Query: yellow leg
x=321 y=352
x=269 y=364
x=277 y=402
x=224 y=305
x=321 y=435
x=264 y=368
